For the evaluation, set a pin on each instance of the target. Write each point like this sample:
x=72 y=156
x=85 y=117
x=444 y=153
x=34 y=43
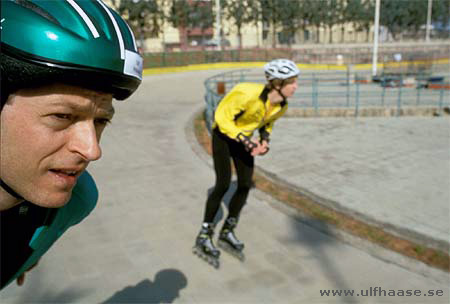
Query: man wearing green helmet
x=62 y=63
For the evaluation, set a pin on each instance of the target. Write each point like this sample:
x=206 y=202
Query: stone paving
x=394 y=172
x=153 y=180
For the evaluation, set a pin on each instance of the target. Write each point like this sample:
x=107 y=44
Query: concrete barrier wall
x=367 y=112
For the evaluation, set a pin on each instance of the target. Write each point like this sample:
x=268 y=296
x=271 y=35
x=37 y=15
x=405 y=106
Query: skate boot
x=228 y=240
x=204 y=246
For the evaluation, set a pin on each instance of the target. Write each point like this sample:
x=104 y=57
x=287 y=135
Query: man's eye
x=63 y=116
x=102 y=121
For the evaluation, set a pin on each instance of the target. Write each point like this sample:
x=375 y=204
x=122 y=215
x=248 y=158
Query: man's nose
x=84 y=141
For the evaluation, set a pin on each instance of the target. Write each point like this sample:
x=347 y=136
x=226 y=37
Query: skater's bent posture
x=246 y=108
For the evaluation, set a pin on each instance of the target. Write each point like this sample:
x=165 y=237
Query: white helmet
x=281 y=69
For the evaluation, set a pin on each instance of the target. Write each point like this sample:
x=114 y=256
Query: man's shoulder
x=85 y=189
x=84 y=198
x=250 y=87
x=251 y=90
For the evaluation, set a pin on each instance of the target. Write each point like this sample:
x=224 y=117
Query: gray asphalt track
x=136 y=245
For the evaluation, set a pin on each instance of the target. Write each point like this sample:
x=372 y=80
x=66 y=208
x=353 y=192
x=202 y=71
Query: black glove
x=247 y=142
x=261 y=140
x=264 y=135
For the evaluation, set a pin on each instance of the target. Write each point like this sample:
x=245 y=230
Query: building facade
x=256 y=35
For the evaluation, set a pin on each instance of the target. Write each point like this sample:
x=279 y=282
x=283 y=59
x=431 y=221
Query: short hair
x=272 y=84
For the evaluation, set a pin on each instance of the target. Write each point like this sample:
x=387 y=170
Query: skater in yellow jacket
x=247 y=108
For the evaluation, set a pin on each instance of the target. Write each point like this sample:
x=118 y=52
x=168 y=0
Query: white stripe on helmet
x=132 y=36
x=85 y=17
x=116 y=27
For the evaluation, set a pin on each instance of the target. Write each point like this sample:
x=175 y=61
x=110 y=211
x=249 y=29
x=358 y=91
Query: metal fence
x=320 y=54
x=341 y=90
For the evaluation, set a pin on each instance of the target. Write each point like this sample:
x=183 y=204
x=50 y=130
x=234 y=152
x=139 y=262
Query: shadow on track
x=164 y=289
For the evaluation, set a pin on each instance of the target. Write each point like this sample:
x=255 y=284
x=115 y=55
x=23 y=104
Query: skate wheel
x=210 y=260
x=233 y=252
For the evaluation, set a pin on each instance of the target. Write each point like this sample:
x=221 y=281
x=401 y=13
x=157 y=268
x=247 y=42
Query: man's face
x=48 y=137
x=289 y=89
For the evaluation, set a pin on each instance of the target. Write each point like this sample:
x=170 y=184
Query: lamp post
x=375 y=38
x=427 y=35
x=218 y=24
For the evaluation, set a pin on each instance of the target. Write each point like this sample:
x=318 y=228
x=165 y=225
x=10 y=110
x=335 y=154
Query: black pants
x=224 y=148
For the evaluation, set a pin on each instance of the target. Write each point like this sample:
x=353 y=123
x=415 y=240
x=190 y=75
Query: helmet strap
x=10 y=190
x=279 y=90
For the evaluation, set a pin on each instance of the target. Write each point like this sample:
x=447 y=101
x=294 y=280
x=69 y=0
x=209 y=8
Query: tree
x=266 y=17
x=357 y=12
x=402 y=16
x=180 y=17
x=180 y=12
x=278 y=14
x=305 y=14
x=441 y=11
x=240 y=12
x=202 y=17
x=145 y=17
x=331 y=11
x=317 y=15
x=289 y=13
x=365 y=16
x=416 y=15
x=440 y=17
x=255 y=16
x=343 y=17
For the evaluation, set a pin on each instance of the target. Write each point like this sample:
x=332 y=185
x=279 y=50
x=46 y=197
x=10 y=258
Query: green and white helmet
x=80 y=42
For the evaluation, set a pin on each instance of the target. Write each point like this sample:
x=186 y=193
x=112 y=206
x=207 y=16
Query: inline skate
x=204 y=245
x=228 y=240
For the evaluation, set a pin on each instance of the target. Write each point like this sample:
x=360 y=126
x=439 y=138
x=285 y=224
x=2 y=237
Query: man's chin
x=54 y=200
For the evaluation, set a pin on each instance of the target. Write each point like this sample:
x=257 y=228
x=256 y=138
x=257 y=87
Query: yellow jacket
x=245 y=109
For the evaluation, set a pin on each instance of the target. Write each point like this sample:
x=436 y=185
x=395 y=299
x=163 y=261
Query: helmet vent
x=38 y=10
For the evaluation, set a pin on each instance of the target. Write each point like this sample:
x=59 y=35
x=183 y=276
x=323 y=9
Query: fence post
x=418 y=95
x=357 y=100
x=164 y=59
x=348 y=84
x=315 y=95
x=209 y=105
x=441 y=100
x=221 y=88
x=399 y=97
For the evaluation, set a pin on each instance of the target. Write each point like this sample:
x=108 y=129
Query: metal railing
x=340 y=90
x=319 y=54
